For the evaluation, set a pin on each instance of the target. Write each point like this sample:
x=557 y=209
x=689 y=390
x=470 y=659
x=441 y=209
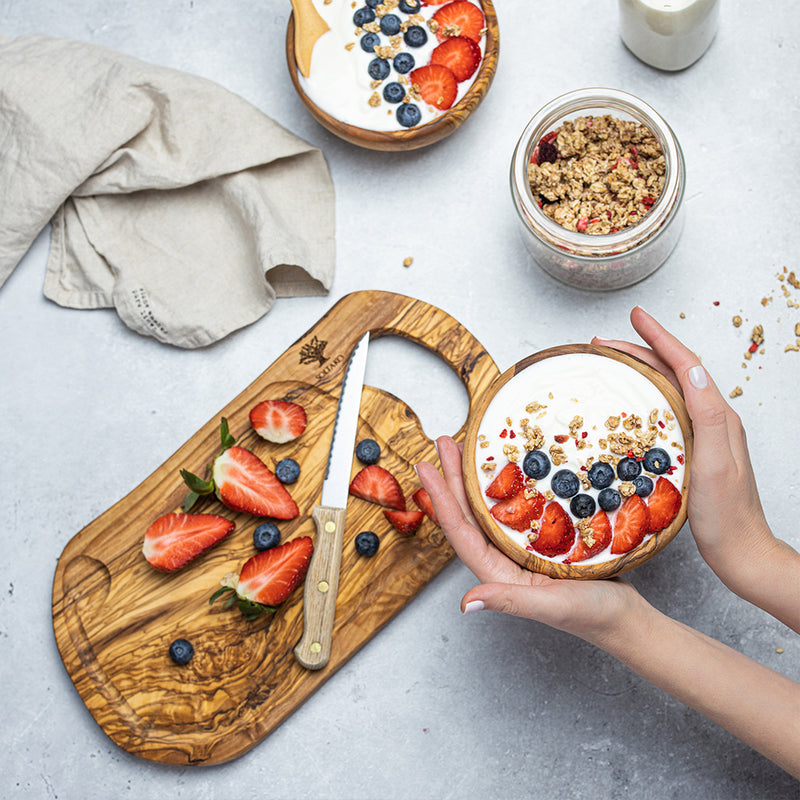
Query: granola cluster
x=597 y=175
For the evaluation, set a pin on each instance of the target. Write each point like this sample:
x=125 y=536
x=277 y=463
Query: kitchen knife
x=322 y=578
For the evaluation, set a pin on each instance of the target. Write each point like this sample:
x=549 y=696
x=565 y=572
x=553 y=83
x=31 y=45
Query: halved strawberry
x=423 y=500
x=245 y=483
x=663 y=504
x=600 y=535
x=242 y=481
x=518 y=511
x=459 y=18
x=631 y=525
x=278 y=421
x=509 y=481
x=268 y=578
x=436 y=84
x=378 y=485
x=175 y=539
x=556 y=532
x=460 y=54
x=405 y=522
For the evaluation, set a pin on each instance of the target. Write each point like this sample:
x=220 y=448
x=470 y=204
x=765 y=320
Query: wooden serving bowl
x=532 y=561
x=420 y=135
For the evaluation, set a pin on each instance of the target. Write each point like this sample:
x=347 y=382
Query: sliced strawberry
x=268 y=578
x=436 y=84
x=518 y=511
x=460 y=54
x=405 y=522
x=509 y=481
x=556 y=532
x=278 y=421
x=601 y=536
x=436 y=2
x=663 y=504
x=459 y=18
x=378 y=485
x=244 y=483
x=423 y=500
x=631 y=525
x=175 y=539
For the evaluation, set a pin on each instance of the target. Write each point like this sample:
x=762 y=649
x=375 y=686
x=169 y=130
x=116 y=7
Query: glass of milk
x=668 y=34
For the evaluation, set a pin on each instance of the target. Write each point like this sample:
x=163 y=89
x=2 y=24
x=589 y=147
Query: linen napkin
x=172 y=200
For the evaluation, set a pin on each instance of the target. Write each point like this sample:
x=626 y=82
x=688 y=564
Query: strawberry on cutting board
x=423 y=502
x=404 y=522
x=243 y=482
x=436 y=85
x=377 y=485
x=278 y=421
x=173 y=540
x=268 y=578
x=459 y=18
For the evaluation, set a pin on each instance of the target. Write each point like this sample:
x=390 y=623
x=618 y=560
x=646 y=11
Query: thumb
x=542 y=603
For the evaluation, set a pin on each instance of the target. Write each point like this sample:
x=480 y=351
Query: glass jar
x=610 y=261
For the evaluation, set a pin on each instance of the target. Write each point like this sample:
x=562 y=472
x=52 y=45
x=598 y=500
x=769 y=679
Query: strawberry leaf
x=226 y=439
x=196 y=484
x=188 y=502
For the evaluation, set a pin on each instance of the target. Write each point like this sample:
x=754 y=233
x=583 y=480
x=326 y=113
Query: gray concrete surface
x=437 y=705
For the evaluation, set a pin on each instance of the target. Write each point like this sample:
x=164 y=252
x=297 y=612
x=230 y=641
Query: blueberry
x=393 y=92
x=565 y=483
x=369 y=41
x=582 y=505
x=266 y=536
x=181 y=651
x=390 y=24
x=287 y=470
x=368 y=451
x=373 y=3
x=363 y=16
x=601 y=475
x=408 y=114
x=367 y=543
x=379 y=69
x=403 y=63
x=609 y=499
x=644 y=485
x=410 y=6
x=628 y=469
x=415 y=36
x=536 y=464
x=657 y=460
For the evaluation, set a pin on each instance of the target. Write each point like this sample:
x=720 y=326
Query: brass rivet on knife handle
x=321 y=588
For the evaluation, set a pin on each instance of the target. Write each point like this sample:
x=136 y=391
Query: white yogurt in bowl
x=594 y=429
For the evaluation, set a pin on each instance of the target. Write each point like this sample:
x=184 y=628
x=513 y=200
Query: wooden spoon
x=308 y=27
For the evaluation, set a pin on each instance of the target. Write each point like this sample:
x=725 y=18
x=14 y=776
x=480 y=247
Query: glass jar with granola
x=597 y=180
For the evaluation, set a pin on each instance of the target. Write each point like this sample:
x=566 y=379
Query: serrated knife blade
x=322 y=579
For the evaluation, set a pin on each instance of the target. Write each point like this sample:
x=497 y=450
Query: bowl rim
x=419 y=135
x=531 y=561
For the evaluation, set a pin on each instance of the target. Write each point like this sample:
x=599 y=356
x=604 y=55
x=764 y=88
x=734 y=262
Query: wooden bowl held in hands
x=604 y=393
x=420 y=135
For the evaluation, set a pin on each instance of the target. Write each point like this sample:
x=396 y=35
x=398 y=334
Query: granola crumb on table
x=597 y=175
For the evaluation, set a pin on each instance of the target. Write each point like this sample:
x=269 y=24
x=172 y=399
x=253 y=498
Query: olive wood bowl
x=419 y=135
x=531 y=561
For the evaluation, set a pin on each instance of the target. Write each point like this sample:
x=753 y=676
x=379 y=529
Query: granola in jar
x=597 y=175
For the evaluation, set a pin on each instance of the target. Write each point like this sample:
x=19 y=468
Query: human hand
x=725 y=512
x=594 y=610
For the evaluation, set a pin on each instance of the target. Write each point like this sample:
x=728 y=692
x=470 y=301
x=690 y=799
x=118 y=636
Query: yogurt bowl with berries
x=576 y=462
x=397 y=74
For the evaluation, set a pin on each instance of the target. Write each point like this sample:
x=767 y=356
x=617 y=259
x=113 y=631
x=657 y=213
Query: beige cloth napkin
x=172 y=200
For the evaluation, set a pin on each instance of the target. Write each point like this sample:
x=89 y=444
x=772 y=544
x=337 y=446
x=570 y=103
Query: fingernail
x=641 y=308
x=698 y=377
x=602 y=340
x=474 y=605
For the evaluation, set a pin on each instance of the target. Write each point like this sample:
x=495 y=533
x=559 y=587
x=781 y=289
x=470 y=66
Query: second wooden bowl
x=419 y=135
x=499 y=536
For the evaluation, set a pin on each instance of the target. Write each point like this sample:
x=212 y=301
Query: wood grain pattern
x=114 y=617
x=532 y=561
x=420 y=135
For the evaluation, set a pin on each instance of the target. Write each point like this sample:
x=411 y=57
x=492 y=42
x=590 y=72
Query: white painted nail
x=698 y=377
x=474 y=605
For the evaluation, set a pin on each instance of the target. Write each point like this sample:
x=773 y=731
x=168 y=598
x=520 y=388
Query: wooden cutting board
x=114 y=616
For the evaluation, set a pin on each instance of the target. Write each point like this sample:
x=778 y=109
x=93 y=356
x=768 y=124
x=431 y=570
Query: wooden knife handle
x=321 y=587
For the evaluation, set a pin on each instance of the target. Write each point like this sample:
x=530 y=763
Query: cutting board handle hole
x=422 y=380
